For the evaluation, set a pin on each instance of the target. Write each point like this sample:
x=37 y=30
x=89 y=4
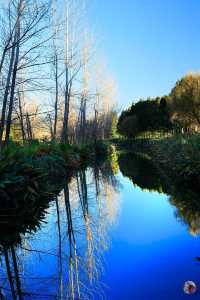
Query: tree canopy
x=179 y=109
x=145 y=115
x=185 y=100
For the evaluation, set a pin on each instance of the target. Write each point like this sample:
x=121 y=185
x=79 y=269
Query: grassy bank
x=32 y=176
x=34 y=169
x=178 y=157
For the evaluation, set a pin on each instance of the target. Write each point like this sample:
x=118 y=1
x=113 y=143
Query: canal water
x=114 y=232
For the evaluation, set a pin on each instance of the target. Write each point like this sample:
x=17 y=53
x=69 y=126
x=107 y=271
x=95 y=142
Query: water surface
x=114 y=232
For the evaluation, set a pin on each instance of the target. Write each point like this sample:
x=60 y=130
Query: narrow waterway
x=112 y=233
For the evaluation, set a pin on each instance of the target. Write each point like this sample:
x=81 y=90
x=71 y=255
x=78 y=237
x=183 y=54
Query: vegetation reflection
x=148 y=176
x=67 y=230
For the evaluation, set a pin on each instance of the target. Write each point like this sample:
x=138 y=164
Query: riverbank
x=178 y=158
x=33 y=169
x=32 y=176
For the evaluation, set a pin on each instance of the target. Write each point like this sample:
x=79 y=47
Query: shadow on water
x=51 y=248
x=145 y=174
x=142 y=172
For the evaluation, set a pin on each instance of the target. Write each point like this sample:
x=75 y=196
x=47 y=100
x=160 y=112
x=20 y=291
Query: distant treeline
x=179 y=111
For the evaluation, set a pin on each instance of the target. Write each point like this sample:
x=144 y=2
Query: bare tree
x=73 y=60
x=27 y=24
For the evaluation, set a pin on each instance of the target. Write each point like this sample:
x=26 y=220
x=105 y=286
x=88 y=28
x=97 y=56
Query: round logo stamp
x=190 y=287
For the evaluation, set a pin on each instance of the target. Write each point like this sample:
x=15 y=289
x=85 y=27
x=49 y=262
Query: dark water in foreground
x=107 y=236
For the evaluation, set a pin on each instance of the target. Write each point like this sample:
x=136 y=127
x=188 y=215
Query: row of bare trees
x=48 y=83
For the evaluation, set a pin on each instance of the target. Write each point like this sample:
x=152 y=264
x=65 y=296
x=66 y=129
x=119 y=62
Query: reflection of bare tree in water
x=106 y=181
x=9 y=273
x=78 y=240
x=60 y=268
x=74 y=285
x=83 y=196
x=86 y=226
x=12 y=271
x=16 y=220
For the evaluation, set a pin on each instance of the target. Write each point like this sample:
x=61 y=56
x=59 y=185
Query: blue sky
x=149 y=44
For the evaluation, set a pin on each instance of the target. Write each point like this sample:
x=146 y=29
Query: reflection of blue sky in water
x=138 y=248
x=152 y=254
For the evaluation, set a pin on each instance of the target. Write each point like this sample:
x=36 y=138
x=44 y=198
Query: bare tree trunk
x=64 y=138
x=83 y=120
x=12 y=93
x=21 y=118
x=6 y=93
x=3 y=59
x=51 y=127
x=56 y=101
x=29 y=128
x=7 y=48
x=95 y=125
